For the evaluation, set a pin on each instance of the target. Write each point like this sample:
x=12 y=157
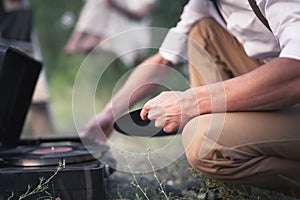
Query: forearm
x=272 y=86
x=142 y=82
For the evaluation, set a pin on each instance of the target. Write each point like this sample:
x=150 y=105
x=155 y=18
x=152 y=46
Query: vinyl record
x=133 y=125
x=51 y=155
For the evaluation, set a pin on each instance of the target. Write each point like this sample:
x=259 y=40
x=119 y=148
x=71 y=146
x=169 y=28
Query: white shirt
x=258 y=41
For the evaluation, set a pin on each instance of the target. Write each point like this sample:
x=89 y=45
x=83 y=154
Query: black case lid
x=18 y=76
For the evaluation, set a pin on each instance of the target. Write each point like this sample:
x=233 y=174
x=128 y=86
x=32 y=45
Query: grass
x=179 y=181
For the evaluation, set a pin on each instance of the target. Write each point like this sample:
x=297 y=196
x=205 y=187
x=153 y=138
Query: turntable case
x=80 y=180
x=84 y=181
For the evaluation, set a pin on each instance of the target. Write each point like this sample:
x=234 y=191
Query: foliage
x=181 y=182
x=41 y=188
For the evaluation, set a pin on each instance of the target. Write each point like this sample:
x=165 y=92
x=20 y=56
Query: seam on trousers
x=264 y=142
x=238 y=151
x=233 y=151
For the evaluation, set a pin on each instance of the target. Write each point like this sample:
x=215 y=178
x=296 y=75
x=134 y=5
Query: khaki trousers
x=256 y=148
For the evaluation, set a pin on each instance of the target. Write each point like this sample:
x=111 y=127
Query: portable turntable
x=26 y=163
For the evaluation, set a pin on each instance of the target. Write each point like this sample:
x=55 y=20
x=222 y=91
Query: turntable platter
x=51 y=155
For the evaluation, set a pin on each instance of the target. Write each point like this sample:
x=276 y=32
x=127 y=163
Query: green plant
x=214 y=189
x=173 y=183
x=41 y=187
x=136 y=183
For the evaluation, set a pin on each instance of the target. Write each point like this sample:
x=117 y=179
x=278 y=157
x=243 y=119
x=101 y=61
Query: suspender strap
x=255 y=9
x=218 y=10
x=258 y=13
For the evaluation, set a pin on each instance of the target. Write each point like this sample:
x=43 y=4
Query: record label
x=52 y=149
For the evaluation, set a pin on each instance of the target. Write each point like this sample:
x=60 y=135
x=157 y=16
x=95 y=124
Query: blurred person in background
x=16 y=30
x=101 y=19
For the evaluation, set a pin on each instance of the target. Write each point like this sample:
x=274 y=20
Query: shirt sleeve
x=284 y=20
x=173 y=47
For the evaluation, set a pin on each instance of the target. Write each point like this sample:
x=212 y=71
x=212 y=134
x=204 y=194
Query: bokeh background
x=61 y=69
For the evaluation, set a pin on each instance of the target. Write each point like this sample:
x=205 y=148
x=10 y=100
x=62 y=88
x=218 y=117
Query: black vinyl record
x=133 y=125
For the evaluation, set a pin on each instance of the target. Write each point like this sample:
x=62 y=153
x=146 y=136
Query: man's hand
x=171 y=110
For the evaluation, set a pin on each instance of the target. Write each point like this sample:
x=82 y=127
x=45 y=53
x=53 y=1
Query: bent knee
x=203 y=152
x=193 y=138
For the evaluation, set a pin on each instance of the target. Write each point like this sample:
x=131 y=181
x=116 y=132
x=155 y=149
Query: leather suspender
x=218 y=10
x=255 y=9
x=258 y=13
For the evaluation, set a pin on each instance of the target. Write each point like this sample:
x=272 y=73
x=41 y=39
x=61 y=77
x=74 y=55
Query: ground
x=179 y=181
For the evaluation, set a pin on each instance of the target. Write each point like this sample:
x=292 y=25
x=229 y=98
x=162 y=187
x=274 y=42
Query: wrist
x=203 y=99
